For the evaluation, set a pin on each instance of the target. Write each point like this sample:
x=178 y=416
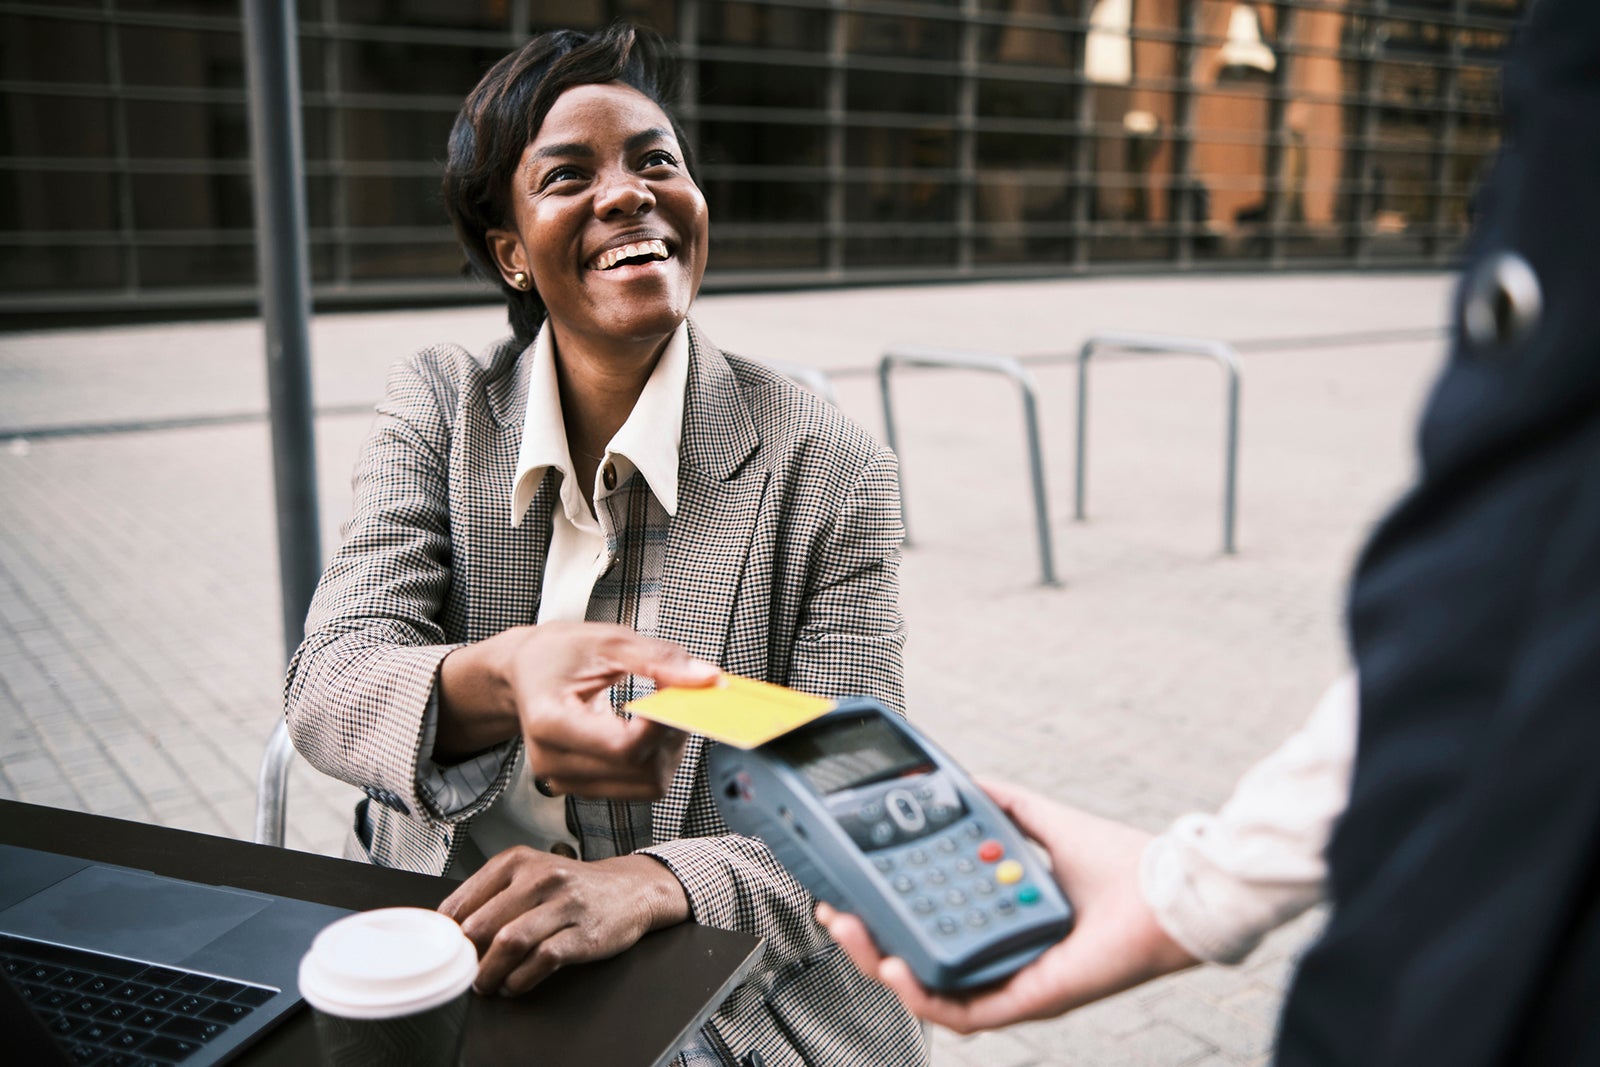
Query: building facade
x=838 y=140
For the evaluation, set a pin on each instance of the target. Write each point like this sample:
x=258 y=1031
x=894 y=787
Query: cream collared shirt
x=579 y=542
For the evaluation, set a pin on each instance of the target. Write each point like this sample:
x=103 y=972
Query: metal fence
x=840 y=140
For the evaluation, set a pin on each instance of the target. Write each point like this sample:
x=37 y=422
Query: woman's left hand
x=530 y=913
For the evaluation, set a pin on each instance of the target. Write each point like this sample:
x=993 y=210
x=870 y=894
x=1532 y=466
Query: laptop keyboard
x=107 y=1011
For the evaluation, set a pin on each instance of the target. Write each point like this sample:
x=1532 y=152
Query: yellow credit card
x=737 y=711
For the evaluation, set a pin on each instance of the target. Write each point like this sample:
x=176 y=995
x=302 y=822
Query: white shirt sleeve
x=1220 y=883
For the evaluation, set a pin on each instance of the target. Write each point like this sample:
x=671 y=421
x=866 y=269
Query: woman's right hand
x=548 y=683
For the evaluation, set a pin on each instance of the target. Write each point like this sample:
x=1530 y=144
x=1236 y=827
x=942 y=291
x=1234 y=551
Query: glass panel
x=897 y=251
x=377 y=134
x=208 y=265
x=441 y=14
x=755 y=85
x=43 y=125
x=166 y=130
x=53 y=50
x=916 y=94
x=170 y=7
x=394 y=201
x=435 y=259
x=193 y=202
x=730 y=254
x=746 y=200
x=57 y=200
x=60 y=268
x=1227 y=197
x=878 y=35
x=411 y=69
x=773 y=144
x=764 y=26
x=193 y=59
x=320 y=196
x=879 y=148
x=1028 y=46
x=657 y=15
x=1026 y=100
x=879 y=200
x=569 y=14
x=1023 y=149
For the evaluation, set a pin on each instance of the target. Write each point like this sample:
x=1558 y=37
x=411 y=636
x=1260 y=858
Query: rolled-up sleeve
x=1220 y=883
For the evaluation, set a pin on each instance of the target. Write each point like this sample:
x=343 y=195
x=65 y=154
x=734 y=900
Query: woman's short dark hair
x=502 y=115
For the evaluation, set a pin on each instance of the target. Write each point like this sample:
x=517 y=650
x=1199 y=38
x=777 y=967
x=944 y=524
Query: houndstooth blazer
x=782 y=563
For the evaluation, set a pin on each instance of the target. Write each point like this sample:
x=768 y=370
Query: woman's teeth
x=653 y=248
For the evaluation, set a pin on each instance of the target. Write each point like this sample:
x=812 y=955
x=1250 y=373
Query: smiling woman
x=604 y=464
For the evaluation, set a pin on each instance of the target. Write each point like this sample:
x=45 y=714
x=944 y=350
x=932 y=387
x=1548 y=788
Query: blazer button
x=543 y=787
x=1502 y=304
x=564 y=850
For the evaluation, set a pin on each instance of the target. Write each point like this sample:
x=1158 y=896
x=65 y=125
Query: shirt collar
x=648 y=441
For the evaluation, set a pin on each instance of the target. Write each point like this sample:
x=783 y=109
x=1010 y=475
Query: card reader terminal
x=871 y=817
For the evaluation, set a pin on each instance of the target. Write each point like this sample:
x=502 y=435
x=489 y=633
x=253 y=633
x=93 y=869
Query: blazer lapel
x=719 y=498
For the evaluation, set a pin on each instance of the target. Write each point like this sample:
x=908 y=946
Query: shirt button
x=564 y=850
x=543 y=787
x=608 y=476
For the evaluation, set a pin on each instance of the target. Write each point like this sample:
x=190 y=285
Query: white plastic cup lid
x=386 y=963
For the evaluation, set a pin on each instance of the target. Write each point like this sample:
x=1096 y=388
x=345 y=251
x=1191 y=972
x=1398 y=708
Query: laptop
x=125 y=968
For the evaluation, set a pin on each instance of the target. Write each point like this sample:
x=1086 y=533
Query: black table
x=633 y=1009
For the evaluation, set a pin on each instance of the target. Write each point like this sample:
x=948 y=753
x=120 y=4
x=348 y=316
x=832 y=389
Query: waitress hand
x=531 y=913
x=1115 y=944
x=547 y=683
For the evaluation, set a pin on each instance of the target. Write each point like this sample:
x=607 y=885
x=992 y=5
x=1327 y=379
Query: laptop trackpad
x=127 y=913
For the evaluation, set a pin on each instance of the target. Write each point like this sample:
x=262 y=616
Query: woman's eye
x=660 y=157
x=560 y=174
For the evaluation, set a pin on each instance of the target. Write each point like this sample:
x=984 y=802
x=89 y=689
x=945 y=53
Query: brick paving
x=140 y=658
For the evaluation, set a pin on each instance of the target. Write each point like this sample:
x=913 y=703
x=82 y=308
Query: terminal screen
x=851 y=752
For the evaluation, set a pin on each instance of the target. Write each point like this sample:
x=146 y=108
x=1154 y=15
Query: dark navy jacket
x=1466 y=873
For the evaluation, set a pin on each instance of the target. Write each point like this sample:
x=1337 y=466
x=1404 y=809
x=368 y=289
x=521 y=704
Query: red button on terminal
x=991 y=851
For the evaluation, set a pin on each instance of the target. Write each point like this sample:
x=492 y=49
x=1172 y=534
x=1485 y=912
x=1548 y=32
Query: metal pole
x=1041 y=509
x=894 y=445
x=1230 y=463
x=1080 y=474
x=283 y=267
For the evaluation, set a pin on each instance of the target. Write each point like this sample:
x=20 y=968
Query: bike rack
x=993 y=364
x=1222 y=352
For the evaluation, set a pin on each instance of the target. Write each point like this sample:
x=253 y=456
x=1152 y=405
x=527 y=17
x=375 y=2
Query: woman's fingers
x=478 y=890
x=600 y=755
x=851 y=933
x=554 y=951
x=520 y=948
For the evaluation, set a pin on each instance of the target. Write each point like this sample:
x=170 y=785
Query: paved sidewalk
x=140 y=659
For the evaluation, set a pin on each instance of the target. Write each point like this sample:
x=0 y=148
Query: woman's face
x=607 y=222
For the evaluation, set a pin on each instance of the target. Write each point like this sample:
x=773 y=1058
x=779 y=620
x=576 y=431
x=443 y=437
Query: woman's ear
x=506 y=249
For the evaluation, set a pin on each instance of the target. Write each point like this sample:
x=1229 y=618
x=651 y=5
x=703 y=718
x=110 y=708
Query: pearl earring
x=520 y=280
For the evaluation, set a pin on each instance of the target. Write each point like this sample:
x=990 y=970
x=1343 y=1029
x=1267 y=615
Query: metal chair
x=272 y=787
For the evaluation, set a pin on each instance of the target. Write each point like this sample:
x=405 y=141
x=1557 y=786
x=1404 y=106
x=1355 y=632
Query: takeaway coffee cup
x=389 y=988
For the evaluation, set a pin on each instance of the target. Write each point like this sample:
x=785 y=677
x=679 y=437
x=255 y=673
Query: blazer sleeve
x=360 y=685
x=850 y=638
